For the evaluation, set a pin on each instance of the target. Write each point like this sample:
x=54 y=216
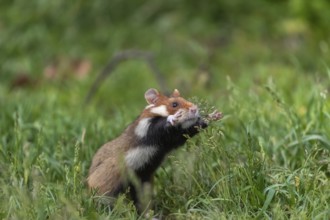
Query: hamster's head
x=164 y=106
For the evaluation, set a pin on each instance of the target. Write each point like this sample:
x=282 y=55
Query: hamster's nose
x=194 y=109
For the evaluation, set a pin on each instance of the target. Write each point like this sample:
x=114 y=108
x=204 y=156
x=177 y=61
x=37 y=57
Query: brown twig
x=124 y=56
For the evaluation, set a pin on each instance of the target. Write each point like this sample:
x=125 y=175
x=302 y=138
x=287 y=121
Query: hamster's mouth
x=191 y=118
x=189 y=121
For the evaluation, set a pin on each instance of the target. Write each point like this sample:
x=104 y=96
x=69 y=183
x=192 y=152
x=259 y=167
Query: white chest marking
x=142 y=128
x=138 y=157
x=160 y=110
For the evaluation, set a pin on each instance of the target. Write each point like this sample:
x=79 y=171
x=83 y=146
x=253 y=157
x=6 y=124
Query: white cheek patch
x=149 y=106
x=141 y=129
x=138 y=157
x=160 y=110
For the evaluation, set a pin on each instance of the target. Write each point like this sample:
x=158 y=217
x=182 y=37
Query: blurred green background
x=223 y=37
x=264 y=63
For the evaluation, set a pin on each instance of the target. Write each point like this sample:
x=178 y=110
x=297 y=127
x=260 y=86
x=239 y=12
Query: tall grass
x=266 y=159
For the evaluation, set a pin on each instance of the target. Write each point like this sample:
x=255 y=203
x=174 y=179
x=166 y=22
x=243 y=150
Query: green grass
x=269 y=158
x=266 y=158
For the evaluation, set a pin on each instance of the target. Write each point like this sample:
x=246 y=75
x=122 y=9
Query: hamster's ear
x=176 y=93
x=151 y=95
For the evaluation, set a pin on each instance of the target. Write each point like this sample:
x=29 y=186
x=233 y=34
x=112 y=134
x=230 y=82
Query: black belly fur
x=165 y=138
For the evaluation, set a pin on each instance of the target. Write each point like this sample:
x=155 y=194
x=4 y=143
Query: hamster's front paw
x=174 y=119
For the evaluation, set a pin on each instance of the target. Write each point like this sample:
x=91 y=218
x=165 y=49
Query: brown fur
x=105 y=173
x=163 y=100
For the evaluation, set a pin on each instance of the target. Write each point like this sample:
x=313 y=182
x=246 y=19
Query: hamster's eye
x=175 y=104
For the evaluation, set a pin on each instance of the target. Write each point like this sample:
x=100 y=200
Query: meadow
x=268 y=158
